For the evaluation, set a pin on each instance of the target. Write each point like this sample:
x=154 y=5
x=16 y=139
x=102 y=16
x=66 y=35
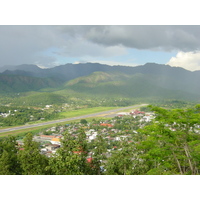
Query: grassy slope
x=100 y=85
x=84 y=111
x=121 y=85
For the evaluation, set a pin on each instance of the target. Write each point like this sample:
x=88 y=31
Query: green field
x=62 y=115
x=84 y=111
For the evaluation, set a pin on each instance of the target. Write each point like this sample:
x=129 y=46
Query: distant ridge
x=151 y=79
x=23 y=67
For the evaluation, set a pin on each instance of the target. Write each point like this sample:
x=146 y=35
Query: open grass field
x=29 y=130
x=70 y=116
x=84 y=111
x=36 y=130
x=74 y=113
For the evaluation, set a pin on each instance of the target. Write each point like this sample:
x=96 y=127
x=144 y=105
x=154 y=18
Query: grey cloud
x=27 y=44
x=79 y=47
x=24 y=44
x=185 y=38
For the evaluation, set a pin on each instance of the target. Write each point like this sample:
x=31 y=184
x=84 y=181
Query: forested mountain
x=136 y=85
x=20 y=83
x=149 y=80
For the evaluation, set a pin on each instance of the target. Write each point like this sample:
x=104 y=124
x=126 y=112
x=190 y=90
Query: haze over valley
x=145 y=81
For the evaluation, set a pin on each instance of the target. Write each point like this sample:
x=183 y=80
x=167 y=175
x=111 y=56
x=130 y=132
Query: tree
x=83 y=146
x=32 y=162
x=70 y=159
x=121 y=161
x=98 y=154
x=170 y=145
x=83 y=121
x=9 y=164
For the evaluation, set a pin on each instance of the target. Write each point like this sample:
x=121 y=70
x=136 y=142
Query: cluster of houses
x=7 y=114
x=4 y=114
x=145 y=116
x=50 y=140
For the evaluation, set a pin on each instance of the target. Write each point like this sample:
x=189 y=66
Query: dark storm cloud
x=184 y=38
x=25 y=44
x=42 y=44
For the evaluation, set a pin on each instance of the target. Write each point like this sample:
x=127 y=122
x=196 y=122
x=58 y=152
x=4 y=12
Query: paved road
x=104 y=113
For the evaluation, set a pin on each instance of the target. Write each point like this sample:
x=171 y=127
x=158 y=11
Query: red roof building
x=89 y=160
x=108 y=125
x=136 y=112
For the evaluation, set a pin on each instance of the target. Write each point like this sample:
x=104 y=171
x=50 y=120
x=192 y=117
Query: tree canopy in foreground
x=170 y=145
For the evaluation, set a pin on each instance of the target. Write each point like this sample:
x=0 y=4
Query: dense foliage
x=169 y=145
x=10 y=116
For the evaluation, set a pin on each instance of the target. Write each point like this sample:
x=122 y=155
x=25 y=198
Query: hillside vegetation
x=137 y=85
x=92 y=82
x=168 y=145
x=19 y=83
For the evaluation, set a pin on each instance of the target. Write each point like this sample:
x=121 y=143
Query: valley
x=76 y=117
x=30 y=95
x=94 y=119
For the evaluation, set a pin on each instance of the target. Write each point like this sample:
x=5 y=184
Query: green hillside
x=92 y=83
x=123 y=85
x=17 y=83
x=38 y=99
x=97 y=77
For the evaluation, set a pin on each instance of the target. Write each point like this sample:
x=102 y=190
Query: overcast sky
x=49 y=46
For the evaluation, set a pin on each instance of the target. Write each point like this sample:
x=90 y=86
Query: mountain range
x=149 y=80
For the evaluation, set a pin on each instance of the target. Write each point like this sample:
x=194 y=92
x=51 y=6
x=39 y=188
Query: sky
x=130 y=45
